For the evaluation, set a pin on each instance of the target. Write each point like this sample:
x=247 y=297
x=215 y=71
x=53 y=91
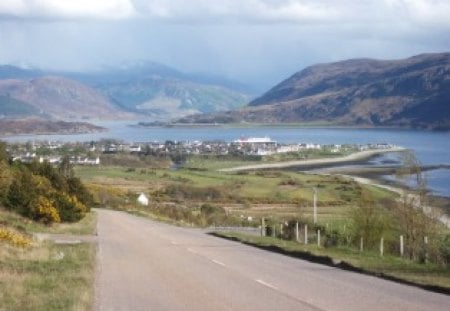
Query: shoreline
x=443 y=217
x=354 y=157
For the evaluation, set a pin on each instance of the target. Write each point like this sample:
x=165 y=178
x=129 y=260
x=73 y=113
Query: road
x=356 y=156
x=145 y=265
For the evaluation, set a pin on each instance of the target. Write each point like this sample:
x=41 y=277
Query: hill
x=142 y=90
x=10 y=107
x=55 y=97
x=162 y=92
x=413 y=92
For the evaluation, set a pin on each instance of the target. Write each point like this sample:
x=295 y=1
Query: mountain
x=13 y=72
x=55 y=97
x=159 y=91
x=10 y=107
x=141 y=89
x=413 y=92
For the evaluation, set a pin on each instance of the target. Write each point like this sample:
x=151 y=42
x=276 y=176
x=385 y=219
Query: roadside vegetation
x=46 y=276
x=42 y=275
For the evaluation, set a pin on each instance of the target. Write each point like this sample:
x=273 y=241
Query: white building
x=142 y=199
x=255 y=140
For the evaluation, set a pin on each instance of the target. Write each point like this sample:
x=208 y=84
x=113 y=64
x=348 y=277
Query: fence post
x=281 y=231
x=381 y=247
x=296 y=231
x=318 y=238
x=361 y=244
x=425 y=242
x=263 y=227
x=306 y=234
x=402 y=249
x=274 y=233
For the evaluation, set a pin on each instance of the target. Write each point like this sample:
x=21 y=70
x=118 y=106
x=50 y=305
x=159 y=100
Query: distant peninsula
x=41 y=127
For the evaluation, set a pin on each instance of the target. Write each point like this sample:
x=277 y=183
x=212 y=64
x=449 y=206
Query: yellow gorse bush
x=14 y=238
x=45 y=210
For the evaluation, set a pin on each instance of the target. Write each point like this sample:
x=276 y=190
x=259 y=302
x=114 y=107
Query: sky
x=257 y=42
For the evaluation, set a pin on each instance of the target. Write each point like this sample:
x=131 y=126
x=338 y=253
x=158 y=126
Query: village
x=89 y=153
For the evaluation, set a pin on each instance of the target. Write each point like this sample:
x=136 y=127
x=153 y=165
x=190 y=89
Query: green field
x=278 y=195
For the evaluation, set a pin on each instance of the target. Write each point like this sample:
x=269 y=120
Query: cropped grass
x=424 y=275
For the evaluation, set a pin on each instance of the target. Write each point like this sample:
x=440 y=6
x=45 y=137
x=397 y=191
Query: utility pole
x=315 y=205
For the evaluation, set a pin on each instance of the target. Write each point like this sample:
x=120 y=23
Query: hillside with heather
x=412 y=92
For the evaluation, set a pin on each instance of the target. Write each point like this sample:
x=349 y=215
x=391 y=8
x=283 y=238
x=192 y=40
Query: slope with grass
x=29 y=273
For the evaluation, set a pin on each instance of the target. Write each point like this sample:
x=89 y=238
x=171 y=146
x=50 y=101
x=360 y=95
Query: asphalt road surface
x=145 y=265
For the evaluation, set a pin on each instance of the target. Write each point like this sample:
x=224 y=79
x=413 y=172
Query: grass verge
x=47 y=277
x=87 y=225
x=427 y=276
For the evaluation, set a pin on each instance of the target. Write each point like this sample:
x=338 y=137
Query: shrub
x=43 y=193
x=14 y=238
x=43 y=210
x=208 y=209
x=69 y=208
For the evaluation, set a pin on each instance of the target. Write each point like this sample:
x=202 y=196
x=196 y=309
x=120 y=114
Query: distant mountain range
x=413 y=92
x=140 y=90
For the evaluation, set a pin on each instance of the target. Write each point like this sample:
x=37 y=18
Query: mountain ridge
x=412 y=92
x=142 y=90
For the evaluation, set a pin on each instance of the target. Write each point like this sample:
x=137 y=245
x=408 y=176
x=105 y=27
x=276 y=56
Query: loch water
x=431 y=148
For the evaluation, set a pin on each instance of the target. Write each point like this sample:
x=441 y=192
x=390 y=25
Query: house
x=135 y=148
x=142 y=200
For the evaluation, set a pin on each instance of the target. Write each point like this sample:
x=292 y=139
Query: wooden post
x=306 y=234
x=274 y=233
x=315 y=206
x=281 y=231
x=402 y=249
x=361 y=244
x=381 y=247
x=425 y=244
x=263 y=227
x=296 y=231
x=318 y=238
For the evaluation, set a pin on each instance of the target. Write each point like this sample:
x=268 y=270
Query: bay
x=431 y=148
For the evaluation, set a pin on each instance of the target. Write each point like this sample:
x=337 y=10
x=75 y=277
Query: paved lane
x=144 y=265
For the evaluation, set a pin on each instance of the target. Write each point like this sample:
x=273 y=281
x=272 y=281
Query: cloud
x=426 y=12
x=242 y=11
x=297 y=12
x=67 y=9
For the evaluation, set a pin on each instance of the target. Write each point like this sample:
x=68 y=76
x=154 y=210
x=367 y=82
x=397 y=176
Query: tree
x=65 y=168
x=5 y=180
x=4 y=156
x=21 y=192
x=415 y=218
x=369 y=221
x=76 y=188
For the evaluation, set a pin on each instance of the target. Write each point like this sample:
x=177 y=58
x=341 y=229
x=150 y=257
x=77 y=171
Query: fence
x=322 y=236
